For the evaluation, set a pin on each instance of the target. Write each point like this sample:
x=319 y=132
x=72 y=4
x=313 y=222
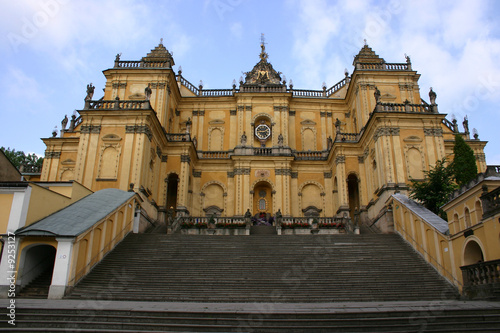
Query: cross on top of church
x=263 y=54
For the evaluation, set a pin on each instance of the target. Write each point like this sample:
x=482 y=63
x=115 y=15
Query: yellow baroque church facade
x=260 y=146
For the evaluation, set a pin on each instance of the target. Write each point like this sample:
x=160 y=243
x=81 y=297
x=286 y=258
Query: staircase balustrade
x=482 y=273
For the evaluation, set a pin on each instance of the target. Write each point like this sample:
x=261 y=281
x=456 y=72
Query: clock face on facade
x=262 y=131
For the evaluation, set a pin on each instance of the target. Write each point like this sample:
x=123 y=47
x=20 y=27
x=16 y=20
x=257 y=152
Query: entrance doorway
x=36 y=268
x=262 y=198
x=353 y=190
x=172 y=185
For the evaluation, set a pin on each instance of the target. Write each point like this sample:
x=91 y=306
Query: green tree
x=435 y=190
x=19 y=158
x=464 y=162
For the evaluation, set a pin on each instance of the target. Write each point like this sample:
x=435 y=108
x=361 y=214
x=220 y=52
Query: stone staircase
x=264 y=268
x=39 y=287
x=94 y=316
x=259 y=283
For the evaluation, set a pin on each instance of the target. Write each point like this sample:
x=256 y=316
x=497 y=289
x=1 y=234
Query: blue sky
x=51 y=49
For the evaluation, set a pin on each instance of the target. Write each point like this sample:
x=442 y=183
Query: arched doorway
x=35 y=270
x=262 y=198
x=473 y=253
x=353 y=191
x=172 y=185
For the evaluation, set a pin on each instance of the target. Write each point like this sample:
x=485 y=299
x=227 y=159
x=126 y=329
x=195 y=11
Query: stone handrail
x=188 y=85
x=308 y=93
x=215 y=154
x=30 y=169
x=116 y=104
x=491 y=203
x=337 y=86
x=482 y=273
x=78 y=121
x=261 y=151
x=347 y=137
x=491 y=170
x=217 y=92
x=311 y=155
x=384 y=66
x=448 y=124
x=142 y=64
x=254 y=89
x=178 y=137
x=401 y=107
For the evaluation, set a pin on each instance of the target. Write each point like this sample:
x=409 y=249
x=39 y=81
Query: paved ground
x=432 y=306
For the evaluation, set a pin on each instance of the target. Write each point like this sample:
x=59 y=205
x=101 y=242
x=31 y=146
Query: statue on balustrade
x=64 y=122
x=432 y=96
x=90 y=92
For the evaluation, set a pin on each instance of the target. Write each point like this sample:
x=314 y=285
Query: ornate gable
x=159 y=53
x=263 y=72
x=367 y=55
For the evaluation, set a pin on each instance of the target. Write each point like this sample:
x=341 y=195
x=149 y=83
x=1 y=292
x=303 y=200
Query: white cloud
x=20 y=87
x=236 y=30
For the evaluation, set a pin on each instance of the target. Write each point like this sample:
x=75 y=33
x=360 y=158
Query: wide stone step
x=467 y=318
x=306 y=268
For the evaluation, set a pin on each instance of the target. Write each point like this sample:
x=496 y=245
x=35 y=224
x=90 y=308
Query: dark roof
x=425 y=214
x=79 y=216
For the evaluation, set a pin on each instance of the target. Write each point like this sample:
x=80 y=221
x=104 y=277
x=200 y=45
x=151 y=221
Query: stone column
x=291 y=125
x=294 y=190
x=323 y=130
x=328 y=194
x=233 y=130
x=182 y=191
x=62 y=268
x=343 y=196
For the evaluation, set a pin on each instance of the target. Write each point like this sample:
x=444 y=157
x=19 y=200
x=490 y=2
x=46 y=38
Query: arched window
x=479 y=211
x=262 y=204
x=467 y=218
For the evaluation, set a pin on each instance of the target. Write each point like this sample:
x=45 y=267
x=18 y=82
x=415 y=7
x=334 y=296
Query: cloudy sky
x=51 y=49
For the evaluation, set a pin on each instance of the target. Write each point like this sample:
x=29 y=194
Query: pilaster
x=62 y=268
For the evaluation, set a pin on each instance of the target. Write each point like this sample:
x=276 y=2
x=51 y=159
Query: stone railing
x=402 y=107
x=384 y=66
x=308 y=93
x=30 y=169
x=491 y=203
x=481 y=280
x=487 y=272
x=347 y=137
x=337 y=86
x=216 y=92
x=267 y=89
x=116 y=104
x=178 y=137
x=142 y=64
x=491 y=170
x=311 y=155
x=188 y=84
x=215 y=154
x=448 y=124
x=258 y=89
x=261 y=151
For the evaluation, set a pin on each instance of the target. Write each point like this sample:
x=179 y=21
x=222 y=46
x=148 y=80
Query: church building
x=259 y=146
x=156 y=150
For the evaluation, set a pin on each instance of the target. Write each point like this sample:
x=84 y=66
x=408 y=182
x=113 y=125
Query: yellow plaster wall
x=5 y=207
x=44 y=202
